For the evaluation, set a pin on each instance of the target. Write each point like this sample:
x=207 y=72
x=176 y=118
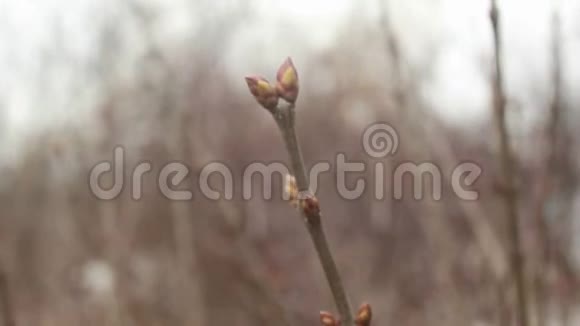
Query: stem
x=284 y=116
x=507 y=172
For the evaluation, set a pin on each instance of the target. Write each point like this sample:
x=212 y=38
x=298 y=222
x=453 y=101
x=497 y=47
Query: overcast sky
x=47 y=46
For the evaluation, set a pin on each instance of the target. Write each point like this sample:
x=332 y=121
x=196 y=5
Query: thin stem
x=507 y=172
x=284 y=116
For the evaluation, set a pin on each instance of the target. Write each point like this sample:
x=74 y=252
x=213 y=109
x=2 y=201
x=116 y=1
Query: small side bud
x=310 y=206
x=287 y=85
x=364 y=315
x=291 y=190
x=327 y=319
x=264 y=92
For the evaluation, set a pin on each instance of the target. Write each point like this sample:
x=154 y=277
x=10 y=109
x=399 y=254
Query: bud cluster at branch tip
x=286 y=86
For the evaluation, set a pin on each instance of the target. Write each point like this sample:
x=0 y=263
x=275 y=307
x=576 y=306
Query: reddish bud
x=263 y=91
x=287 y=85
x=364 y=315
x=310 y=206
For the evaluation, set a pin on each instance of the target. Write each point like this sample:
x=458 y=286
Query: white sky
x=37 y=93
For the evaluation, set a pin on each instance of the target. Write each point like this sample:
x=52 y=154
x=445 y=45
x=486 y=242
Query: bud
x=291 y=190
x=327 y=319
x=310 y=206
x=287 y=78
x=364 y=315
x=263 y=91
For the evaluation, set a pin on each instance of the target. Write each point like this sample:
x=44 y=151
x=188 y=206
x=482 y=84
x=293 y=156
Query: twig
x=268 y=96
x=507 y=173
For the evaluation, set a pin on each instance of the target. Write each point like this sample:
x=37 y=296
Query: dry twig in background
x=507 y=172
x=547 y=176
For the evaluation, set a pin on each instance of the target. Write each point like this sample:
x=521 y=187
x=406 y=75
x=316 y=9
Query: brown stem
x=284 y=116
x=507 y=174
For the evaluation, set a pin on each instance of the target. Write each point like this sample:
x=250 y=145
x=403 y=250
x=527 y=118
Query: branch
x=284 y=114
x=507 y=168
x=548 y=170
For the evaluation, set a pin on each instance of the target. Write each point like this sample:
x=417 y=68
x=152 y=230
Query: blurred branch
x=546 y=175
x=6 y=308
x=507 y=168
x=254 y=285
x=391 y=45
x=406 y=95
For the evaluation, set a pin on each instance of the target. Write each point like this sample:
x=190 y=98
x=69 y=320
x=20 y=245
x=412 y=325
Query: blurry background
x=164 y=79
